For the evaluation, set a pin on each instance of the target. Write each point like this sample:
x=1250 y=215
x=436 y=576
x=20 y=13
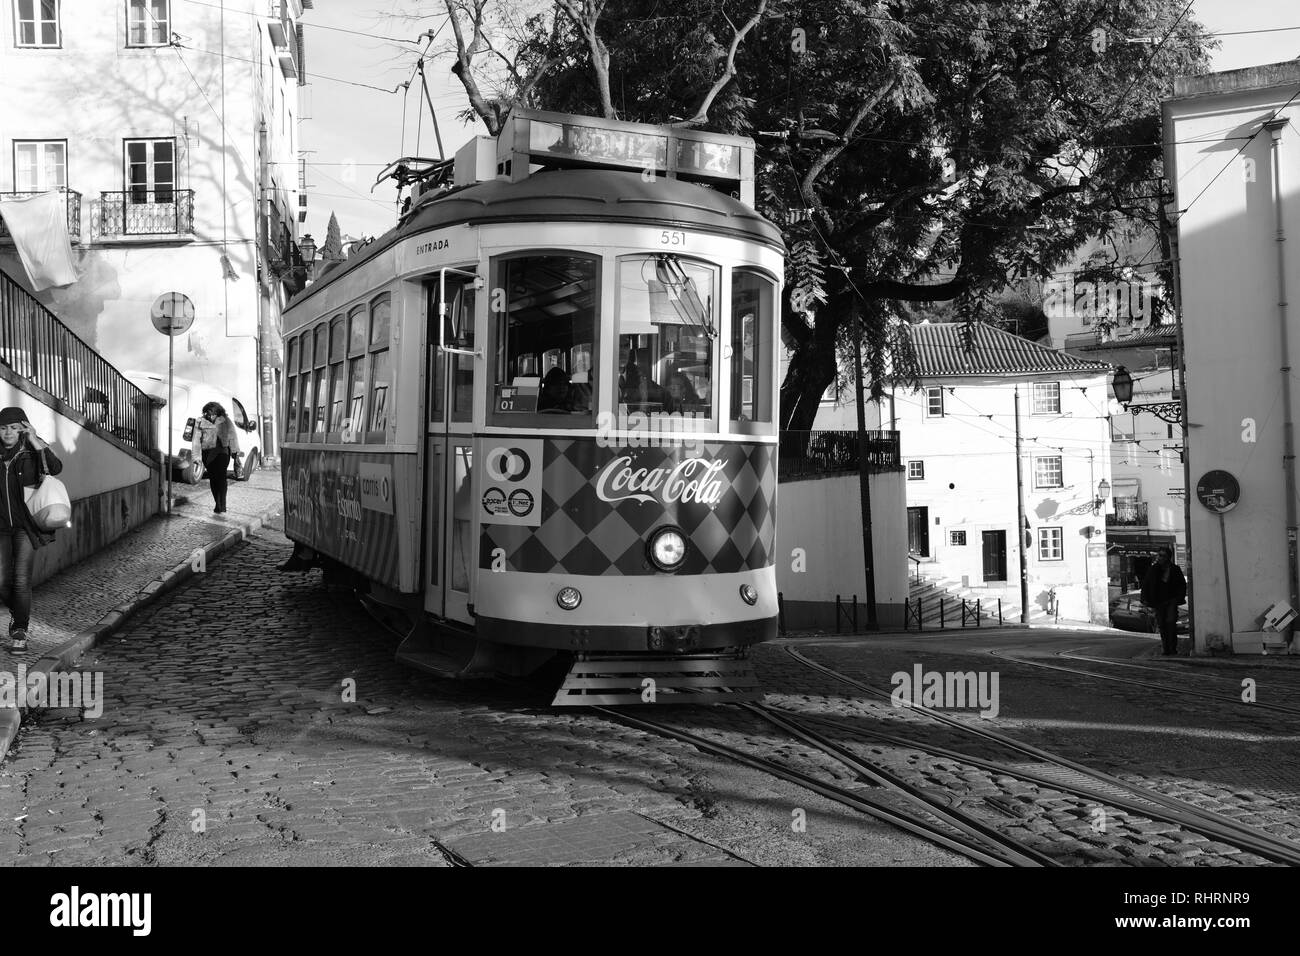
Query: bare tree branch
x=702 y=112
x=490 y=113
x=585 y=19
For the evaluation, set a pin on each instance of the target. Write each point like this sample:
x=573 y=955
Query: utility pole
x=1020 y=521
x=1275 y=127
x=1184 y=455
x=864 y=477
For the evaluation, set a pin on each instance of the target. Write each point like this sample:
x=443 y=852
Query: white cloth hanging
x=39 y=227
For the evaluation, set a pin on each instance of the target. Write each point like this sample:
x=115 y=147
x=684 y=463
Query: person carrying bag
x=215 y=442
x=25 y=460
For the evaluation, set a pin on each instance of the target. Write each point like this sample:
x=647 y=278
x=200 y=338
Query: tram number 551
x=672 y=238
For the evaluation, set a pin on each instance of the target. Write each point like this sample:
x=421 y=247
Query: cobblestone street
x=254 y=717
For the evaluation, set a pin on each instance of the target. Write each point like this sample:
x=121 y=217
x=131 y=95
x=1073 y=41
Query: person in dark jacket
x=215 y=443
x=25 y=458
x=1164 y=589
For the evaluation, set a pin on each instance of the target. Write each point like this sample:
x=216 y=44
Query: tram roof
x=559 y=195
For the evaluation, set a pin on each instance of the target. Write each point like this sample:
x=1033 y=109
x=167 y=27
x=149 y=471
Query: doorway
x=995 y=555
x=918 y=531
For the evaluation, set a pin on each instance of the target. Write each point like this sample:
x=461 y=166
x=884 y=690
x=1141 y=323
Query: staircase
x=933 y=586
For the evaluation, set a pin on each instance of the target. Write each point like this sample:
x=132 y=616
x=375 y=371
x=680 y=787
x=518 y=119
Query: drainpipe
x=1275 y=127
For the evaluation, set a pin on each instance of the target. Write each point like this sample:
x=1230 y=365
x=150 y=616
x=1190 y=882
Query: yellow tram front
x=593 y=408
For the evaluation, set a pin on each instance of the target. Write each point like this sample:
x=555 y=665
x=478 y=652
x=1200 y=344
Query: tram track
x=1155 y=685
x=1066 y=775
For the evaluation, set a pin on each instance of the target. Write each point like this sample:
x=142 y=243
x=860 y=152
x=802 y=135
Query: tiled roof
x=940 y=351
x=1158 y=336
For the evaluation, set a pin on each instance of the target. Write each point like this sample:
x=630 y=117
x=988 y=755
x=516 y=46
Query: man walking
x=1164 y=589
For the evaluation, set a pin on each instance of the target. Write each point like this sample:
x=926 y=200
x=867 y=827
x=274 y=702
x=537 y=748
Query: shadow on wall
x=80 y=305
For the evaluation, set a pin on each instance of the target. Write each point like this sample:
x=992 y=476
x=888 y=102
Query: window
x=40 y=165
x=666 y=329
x=957 y=539
x=543 y=341
x=147 y=23
x=1046 y=398
x=751 y=347
x=150 y=171
x=934 y=402
x=459 y=333
x=1050 y=544
x=304 y=386
x=354 y=421
x=338 y=379
x=1047 y=472
x=291 y=389
x=38 y=23
x=380 y=367
x=915 y=470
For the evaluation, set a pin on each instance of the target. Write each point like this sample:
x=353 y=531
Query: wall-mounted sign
x=1218 y=491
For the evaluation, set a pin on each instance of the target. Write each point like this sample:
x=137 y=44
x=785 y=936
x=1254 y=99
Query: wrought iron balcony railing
x=1131 y=514
x=812 y=454
x=144 y=212
x=73 y=199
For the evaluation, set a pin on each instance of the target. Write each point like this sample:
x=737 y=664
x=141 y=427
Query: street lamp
x=1103 y=492
x=1122 y=383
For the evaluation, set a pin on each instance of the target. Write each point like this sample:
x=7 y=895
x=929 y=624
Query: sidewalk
x=83 y=604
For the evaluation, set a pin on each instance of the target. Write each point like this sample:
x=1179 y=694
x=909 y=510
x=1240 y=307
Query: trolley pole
x=864 y=478
x=1021 y=544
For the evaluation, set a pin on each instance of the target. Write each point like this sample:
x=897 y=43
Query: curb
x=71 y=650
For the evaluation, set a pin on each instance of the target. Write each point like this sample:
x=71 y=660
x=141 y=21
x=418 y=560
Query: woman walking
x=214 y=444
x=25 y=457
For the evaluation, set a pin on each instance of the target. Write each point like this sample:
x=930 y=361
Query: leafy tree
x=914 y=151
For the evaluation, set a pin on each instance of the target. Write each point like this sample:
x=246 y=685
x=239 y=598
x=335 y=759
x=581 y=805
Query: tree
x=332 y=250
x=914 y=151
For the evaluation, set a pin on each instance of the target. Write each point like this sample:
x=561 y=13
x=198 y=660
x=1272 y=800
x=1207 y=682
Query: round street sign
x=172 y=313
x=1218 y=491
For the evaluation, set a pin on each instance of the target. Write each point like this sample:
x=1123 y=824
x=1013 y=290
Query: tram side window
x=338 y=381
x=354 y=423
x=321 y=378
x=752 y=327
x=291 y=390
x=380 y=368
x=544 y=341
x=304 y=386
x=667 y=322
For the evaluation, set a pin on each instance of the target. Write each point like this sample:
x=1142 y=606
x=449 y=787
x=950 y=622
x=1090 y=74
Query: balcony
x=73 y=199
x=817 y=454
x=1128 y=514
x=144 y=214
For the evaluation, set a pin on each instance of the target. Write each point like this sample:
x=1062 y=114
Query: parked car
x=189 y=397
x=1128 y=613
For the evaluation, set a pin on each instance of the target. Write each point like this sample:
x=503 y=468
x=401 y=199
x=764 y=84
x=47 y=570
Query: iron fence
x=70 y=196
x=145 y=212
x=812 y=454
x=40 y=348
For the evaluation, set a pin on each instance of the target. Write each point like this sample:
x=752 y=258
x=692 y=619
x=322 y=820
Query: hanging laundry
x=39 y=227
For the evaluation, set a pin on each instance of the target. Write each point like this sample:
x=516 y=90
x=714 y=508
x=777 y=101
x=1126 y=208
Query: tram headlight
x=568 y=598
x=749 y=594
x=667 y=549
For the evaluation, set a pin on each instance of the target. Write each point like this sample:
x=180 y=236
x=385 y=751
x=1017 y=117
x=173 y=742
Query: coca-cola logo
x=689 y=481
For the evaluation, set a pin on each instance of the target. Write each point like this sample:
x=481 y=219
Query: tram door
x=449 y=459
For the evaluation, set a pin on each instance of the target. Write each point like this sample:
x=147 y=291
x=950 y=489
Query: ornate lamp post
x=1122 y=383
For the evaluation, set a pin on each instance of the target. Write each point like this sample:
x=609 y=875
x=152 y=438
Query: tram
x=537 y=418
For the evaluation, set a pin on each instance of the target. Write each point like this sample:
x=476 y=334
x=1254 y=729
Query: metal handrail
x=917 y=561
x=816 y=453
x=40 y=348
x=144 y=212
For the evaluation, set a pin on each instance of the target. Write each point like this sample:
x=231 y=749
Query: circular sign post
x=172 y=314
x=1219 y=492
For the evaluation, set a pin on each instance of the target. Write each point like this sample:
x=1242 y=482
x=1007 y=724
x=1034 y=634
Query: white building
x=171 y=128
x=1233 y=157
x=958 y=435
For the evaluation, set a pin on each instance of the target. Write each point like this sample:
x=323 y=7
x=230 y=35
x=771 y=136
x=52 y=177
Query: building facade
x=959 y=439
x=170 y=127
x=1233 y=159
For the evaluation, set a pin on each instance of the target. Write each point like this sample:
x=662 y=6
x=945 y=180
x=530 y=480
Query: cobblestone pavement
x=79 y=596
x=254 y=717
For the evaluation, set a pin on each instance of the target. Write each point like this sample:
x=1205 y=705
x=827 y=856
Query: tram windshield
x=546 y=341
x=667 y=324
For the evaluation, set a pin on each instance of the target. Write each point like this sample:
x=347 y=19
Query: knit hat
x=12 y=415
